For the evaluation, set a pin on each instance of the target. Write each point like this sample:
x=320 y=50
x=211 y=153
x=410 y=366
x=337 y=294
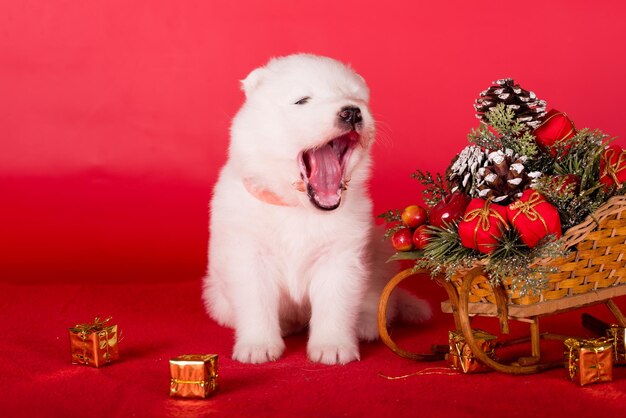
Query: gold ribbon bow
x=483 y=214
x=95 y=326
x=611 y=171
x=528 y=209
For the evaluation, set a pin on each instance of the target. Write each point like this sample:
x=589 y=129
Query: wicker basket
x=597 y=262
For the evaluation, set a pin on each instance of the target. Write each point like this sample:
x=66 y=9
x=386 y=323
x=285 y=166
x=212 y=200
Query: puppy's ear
x=253 y=80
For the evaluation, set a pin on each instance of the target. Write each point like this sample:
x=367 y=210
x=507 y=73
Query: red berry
x=402 y=239
x=421 y=237
x=414 y=216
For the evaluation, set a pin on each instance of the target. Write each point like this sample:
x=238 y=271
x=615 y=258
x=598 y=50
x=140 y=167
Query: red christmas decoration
x=482 y=225
x=613 y=166
x=534 y=218
x=556 y=127
x=421 y=237
x=449 y=210
x=402 y=239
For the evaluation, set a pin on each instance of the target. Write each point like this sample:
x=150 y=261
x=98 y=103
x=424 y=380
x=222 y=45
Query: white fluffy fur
x=276 y=269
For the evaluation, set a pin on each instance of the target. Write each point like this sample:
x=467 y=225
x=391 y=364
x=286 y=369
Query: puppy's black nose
x=351 y=115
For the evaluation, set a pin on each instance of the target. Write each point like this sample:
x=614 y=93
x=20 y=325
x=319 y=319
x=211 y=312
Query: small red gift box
x=556 y=127
x=534 y=218
x=482 y=225
x=613 y=166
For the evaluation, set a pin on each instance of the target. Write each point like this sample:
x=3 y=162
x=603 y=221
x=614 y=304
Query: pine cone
x=527 y=108
x=462 y=171
x=504 y=177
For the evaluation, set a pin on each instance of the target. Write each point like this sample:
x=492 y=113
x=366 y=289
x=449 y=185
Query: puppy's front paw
x=333 y=354
x=258 y=353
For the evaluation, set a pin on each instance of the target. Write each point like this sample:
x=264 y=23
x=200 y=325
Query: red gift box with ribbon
x=534 y=218
x=556 y=127
x=613 y=166
x=482 y=225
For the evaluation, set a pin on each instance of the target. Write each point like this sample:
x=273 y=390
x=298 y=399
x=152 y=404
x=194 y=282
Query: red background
x=114 y=120
x=115 y=115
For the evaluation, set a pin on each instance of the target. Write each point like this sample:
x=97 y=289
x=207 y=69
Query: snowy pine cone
x=503 y=177
x=525 y=104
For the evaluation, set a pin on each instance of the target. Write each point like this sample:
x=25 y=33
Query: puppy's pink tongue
x=325 y=176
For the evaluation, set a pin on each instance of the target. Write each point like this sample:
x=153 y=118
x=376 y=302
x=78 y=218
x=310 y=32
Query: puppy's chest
x=298 y=246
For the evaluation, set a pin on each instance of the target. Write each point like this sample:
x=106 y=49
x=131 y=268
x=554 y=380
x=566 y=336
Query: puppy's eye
x=303 y=100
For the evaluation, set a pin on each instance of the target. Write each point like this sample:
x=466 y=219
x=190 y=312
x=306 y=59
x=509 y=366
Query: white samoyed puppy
x=291 y=232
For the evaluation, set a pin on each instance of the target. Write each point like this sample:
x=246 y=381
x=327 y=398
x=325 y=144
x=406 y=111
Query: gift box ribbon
x=609 y=169
x=94 y=326
x=483 y=215
x=528 y=209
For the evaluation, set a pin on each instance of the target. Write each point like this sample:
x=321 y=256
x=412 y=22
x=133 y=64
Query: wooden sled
x=593 y=273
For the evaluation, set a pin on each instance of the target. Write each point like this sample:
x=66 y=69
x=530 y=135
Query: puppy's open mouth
x=323 y=170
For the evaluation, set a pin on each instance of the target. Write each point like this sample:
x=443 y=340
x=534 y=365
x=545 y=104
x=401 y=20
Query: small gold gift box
x=618 y=335
x=193 y=375
x=94 y=344
x=589 y=361
x=461 y=357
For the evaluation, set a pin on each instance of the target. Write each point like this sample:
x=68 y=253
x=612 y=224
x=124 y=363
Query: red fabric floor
x=160 y=321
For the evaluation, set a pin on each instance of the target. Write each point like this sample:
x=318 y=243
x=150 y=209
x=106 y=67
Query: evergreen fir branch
x=394 y=218
x=579 y=155
x=504 y=120
x=391 y=216
x=554 y=189
x=526 y=145
x=512 y=259
x=542 y=162
x=393 y=229
x=484 y=138
x=513 y=134
x=573 y=208
x=436 y=188
x=444 y=253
